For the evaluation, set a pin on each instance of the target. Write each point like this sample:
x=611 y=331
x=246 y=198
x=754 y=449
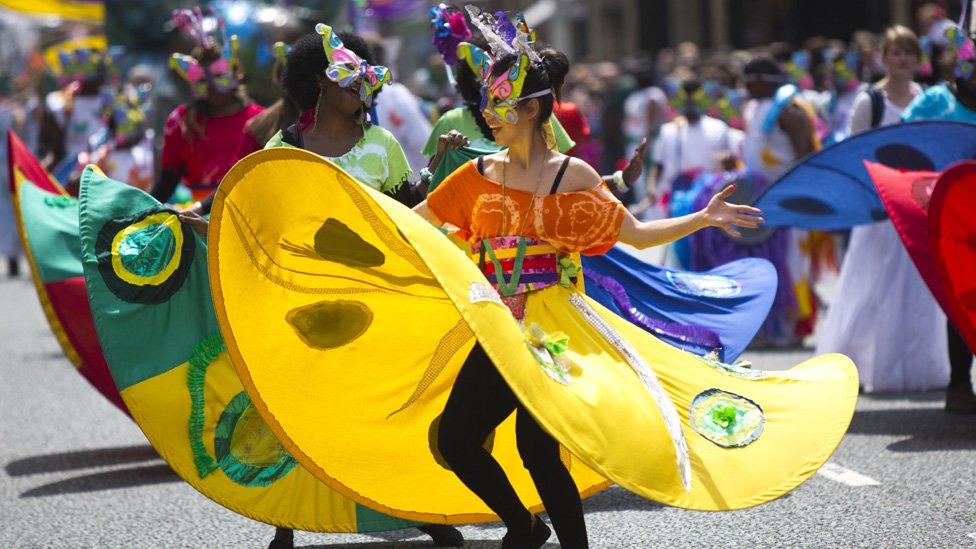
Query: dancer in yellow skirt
x=353 y=325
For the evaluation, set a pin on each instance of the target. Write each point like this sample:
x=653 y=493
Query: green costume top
x=376 y=160
x=462 y=120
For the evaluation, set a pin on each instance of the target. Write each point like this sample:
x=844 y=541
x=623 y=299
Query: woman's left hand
x=725 y=216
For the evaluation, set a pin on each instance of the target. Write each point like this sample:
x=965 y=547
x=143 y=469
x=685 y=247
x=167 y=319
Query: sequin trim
x=479 y=292
x=648 y=379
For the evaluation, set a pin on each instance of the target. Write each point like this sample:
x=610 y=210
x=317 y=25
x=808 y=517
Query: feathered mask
x=963 y=50
x=502 y=93
x=347 y=69
x=450 y=29
x=844 y=71
x=798 y=70
x=127 y=109
x=221 y=73
x=83 y=64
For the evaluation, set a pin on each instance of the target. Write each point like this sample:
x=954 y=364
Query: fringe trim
x=203 y=355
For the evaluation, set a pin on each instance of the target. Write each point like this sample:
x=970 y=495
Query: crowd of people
x=666 y=150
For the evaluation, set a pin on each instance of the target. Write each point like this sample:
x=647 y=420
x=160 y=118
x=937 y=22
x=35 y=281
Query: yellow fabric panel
x=161 y=407
x=264 y=264
x=806 y=410
x=359 y=415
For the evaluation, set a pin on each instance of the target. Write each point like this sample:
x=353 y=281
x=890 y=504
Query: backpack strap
x=877 y=105
x=559 y=176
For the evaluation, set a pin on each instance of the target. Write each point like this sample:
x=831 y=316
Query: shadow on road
x=106 y=480
x=929 y=429
x=80 y=459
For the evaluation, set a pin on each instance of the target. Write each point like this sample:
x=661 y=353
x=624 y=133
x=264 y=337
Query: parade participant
x=335 y=76
x=351 y=320
x=691 y=143
x=125 y=149
x=897 y=347
x=954 y=100
x=202 y=139
x=75 y=111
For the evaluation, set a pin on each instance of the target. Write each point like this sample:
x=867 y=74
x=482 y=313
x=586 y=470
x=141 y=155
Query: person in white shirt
x=897 y=347
x=692 y=143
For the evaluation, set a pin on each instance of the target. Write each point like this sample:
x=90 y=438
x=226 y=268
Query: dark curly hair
x=549 y=73
x=307 y=59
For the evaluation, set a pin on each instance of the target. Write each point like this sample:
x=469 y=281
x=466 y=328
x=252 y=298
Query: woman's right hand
x=195 y=220
x=451 y=140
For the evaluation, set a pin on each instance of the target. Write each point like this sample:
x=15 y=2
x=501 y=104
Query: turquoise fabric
x=938 y=103
x=147 y=251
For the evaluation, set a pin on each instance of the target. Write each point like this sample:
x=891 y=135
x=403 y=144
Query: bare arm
x=424 y=211
x=795 y=122
x=718 y=213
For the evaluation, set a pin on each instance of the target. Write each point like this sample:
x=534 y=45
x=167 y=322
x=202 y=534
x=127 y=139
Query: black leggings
x=479 y=402
x=960 y=359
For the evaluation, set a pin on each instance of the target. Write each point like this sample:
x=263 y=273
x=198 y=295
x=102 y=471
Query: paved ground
x=76 y=473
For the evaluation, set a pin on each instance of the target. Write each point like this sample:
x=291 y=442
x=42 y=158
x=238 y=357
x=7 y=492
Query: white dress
x=882 y=315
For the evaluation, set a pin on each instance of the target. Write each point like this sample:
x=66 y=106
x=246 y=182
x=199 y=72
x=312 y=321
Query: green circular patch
x=727 y=419
x=142 y=259
x=146 y=251
x=247 y=452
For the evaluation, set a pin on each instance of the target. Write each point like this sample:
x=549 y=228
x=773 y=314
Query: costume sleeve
x=277 y=140
x=608 y=215
x=860 y=119
x=248 y=145
x=175 y=147
x=449 y=205
x=563 y=141
x=924 y=106
x=396 y=161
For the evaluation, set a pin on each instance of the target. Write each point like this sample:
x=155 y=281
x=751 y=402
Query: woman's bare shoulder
x=579 y=176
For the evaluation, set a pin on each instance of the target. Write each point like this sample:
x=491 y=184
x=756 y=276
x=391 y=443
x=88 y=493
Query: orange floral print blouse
x=587 y=221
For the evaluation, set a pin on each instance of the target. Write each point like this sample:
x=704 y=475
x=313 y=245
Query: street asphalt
x=75 y=472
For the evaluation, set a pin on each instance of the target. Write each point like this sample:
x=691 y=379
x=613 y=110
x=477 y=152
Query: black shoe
x=13 y=267
x=537 y=536
x=443 y=535
x=960 y=400
x=284 y=539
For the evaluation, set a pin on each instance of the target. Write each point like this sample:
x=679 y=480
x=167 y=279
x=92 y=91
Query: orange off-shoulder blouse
x=587 y=221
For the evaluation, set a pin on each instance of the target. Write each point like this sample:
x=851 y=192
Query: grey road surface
x=74 y=472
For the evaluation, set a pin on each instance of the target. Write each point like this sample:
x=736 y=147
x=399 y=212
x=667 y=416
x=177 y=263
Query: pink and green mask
x=500 y=94
x=221 y=74
x=347 y=69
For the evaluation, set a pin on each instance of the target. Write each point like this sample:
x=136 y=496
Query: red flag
x=23 y=165
x=952 y=230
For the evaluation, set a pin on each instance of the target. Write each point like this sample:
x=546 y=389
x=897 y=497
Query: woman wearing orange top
x=545 y=205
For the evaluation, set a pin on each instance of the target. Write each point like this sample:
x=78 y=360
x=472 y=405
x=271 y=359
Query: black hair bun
x=556 y=65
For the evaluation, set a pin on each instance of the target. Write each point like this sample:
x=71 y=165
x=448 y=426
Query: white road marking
x=843 y=475
x=973 y=535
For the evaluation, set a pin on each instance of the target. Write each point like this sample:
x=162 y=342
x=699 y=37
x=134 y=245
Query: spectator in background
x=645 y=111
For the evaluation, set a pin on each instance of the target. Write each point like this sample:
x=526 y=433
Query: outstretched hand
x=195 y=220
x=450 y=141
x=635 y=166
x=725 y=216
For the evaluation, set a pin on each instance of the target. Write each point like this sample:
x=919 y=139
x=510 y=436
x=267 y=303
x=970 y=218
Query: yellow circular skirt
x=348 y=318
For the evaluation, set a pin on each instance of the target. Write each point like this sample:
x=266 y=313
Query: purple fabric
x=697 y=335
x=711 y=248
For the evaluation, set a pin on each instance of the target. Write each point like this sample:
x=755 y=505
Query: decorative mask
x=961 y=45
x=82 y=64
x=450 y=29
x=798 y=70
x=127 y=108
x=222 y=72
x=346 y=68
x=502 y=93
x=845 y=72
